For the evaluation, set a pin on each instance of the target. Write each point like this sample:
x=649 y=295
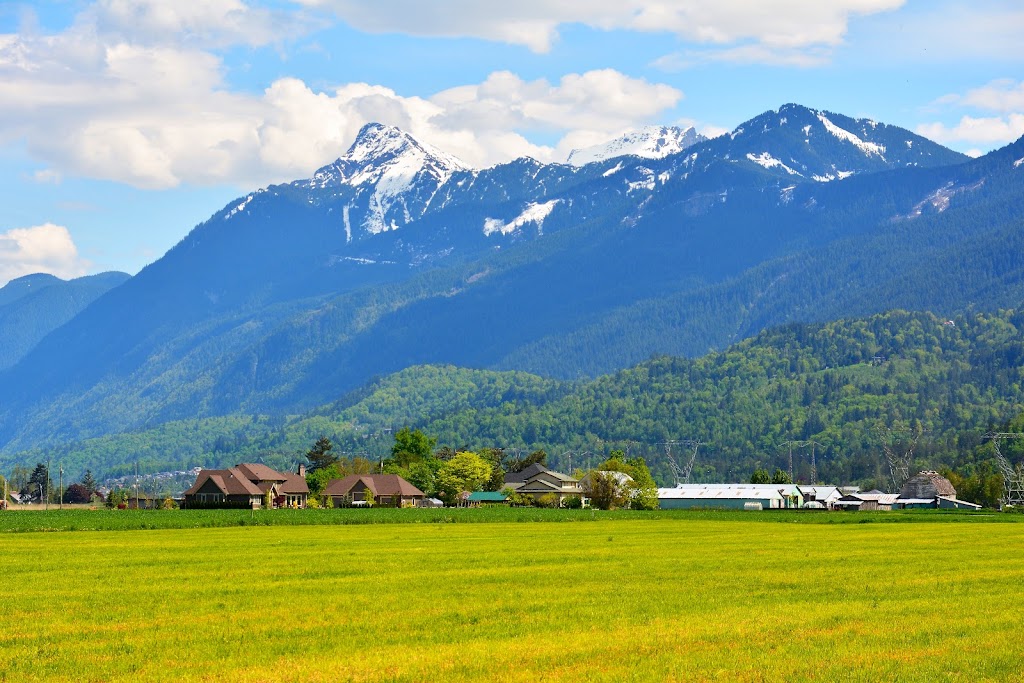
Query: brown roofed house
x=247 y=485
x=228 y=488
x=389 y=490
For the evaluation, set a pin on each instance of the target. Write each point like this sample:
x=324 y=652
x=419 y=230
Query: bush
x=548 y=500
x=573 y=503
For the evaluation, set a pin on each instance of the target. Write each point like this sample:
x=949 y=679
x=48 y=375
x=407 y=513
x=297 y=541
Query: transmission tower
x=899 y=459
x=814 y=463
x=682 y=474
x=1013 y=475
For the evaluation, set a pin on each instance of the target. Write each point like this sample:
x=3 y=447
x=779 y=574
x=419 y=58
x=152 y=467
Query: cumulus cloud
x=156 y=115
x=1003 y=99
x=46 y=248
x=535 y=23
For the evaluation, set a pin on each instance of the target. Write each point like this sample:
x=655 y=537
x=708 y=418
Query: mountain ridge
x=282 y=307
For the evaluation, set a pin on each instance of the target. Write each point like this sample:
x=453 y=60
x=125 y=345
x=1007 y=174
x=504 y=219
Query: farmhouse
x=737 y=496
x=248 y=485
x=223 y=488
x=389 y=490
x=537 y=480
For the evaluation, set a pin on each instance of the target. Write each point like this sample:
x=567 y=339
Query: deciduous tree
x=467 y=471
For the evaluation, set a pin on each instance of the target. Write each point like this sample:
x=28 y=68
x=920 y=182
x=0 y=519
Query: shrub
x=548 y=500
x=573 y=503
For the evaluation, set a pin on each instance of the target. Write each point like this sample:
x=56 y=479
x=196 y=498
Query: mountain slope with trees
x=296 y=294
x=846 y=385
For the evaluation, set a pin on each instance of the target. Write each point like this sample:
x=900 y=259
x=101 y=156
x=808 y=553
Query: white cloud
x=156 y=116
x=207 y=23
x=1003 y=98
x=535 y=23
x=992 y=131
x=46 y=248
x=746 y=54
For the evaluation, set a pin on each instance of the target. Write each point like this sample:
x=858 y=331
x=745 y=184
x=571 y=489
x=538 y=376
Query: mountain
x=834 y=383
x=650 y=142
x=34 y=305
x=294 y=294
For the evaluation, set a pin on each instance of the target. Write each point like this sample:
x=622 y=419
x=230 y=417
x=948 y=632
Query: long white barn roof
x=727 y=491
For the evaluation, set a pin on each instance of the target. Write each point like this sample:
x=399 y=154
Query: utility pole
x=60 y=487
x=47 y=504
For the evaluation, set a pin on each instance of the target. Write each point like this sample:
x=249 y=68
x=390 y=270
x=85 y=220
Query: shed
x=477 y=498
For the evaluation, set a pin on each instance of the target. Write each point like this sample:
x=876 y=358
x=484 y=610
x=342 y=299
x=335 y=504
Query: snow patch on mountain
x=241 y=207
x=650 y=142
x=1017 y=164
x=612 y=171
x=533 y=213
x=829 y=177
x=768 y=161
x=847 y=136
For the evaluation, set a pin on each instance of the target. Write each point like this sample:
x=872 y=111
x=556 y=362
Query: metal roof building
x=734 y=496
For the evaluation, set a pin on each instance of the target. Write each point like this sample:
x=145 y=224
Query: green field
x=616 y=598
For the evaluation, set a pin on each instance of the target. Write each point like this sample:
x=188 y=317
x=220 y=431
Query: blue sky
x=124 y=123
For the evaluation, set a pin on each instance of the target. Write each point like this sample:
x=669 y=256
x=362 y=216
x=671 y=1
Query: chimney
x=302 y=470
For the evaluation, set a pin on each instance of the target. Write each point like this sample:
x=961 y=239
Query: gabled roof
x=259 y=472
x=521 y=476
x=230 y=482
x=293 y=484
x=379 y=485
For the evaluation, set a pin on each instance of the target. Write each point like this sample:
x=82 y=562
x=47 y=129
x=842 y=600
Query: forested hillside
x=295 y=294
x=845 y=385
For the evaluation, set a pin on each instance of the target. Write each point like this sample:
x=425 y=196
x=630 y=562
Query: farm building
x=478 y=498
x=868 y=500
x=825 y=496
x=737 y=496
x=929 y=489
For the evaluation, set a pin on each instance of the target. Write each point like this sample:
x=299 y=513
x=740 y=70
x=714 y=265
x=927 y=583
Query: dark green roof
x=487 y=497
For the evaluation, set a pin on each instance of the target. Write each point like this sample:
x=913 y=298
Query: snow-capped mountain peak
x=650 y=142
x=382 y=152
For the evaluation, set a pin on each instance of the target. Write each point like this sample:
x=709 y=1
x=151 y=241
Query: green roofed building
x=486 y=498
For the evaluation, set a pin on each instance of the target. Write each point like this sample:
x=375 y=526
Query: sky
x=125 y=123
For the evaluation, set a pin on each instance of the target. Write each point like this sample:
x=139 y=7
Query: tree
x=89 y=482
x=467 y=471
x=318 y=479
x=760 y=476
x=411 y=445
x=641 y=491
x=320 y=455
x=781 y=476
x=38 y=483
x=604 y=490
x=77 y=493
x=519 y=464
x=117 y=498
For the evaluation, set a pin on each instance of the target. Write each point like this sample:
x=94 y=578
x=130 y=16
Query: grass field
x=21 y=520
x=687 y=598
